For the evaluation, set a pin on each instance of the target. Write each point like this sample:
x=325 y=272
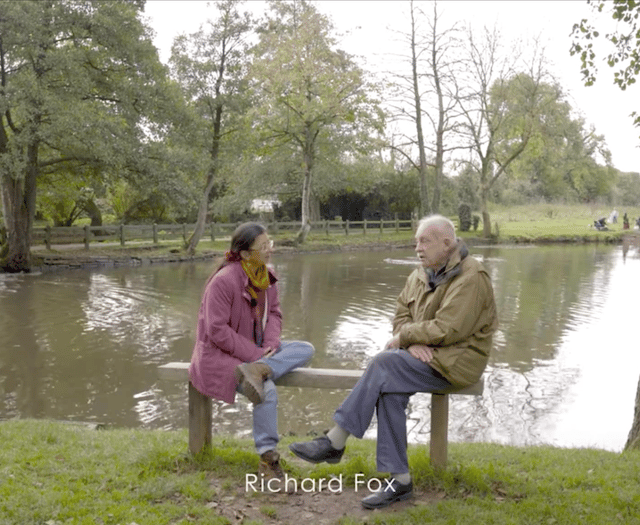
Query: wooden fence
x=156 y=233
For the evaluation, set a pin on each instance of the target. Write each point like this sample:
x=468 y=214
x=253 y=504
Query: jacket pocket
x=462 y=366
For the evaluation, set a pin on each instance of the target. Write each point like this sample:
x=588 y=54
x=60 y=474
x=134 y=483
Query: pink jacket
x=224 y=336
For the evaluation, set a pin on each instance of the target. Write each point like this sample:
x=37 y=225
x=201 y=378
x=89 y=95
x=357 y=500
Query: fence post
x=155 y=233
x=212 y=226
x=346 y=227
x=122 y=235
x=397 y=224
x=364 y=227
x=47 y=237
x=326 y=227
x=87 y=232
x=184 y=232
x=381 y=226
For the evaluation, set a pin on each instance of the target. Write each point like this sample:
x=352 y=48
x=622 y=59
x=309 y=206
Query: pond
x=84 y=345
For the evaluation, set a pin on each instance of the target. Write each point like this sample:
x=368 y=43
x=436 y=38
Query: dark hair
x=242 y=239
x=244 y=236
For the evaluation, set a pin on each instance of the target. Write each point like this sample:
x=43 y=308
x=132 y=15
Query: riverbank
x=69 y=258
x=109 y=256
x=532 y=224
x=75 y=257
x=54 y=473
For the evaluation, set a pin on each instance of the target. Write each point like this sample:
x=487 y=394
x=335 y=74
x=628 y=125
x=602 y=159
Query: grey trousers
x=391 y=378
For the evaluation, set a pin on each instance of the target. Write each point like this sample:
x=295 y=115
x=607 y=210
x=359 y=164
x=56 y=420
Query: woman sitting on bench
x=238 y=347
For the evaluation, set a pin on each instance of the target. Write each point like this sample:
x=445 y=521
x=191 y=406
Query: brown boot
x=251 y=376
x=270 y=468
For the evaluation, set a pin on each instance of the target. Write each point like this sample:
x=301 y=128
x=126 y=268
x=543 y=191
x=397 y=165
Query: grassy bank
x=57 y=473
x=556 y=222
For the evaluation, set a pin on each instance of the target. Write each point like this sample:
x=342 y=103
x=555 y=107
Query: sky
x=367 y=31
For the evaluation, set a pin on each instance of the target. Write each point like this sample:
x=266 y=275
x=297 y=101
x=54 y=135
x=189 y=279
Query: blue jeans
x=290 y=355
x=391 y=378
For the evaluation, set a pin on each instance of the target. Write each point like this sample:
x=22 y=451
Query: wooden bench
x=200 y=405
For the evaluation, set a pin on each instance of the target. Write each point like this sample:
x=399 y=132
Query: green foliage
x=211 y=66
x=312 y=105
x=624 y=42
x=562 y=159
x=628 y=189
x=82 y=88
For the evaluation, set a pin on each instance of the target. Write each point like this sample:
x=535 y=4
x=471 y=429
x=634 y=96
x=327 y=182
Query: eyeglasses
x=264 y=247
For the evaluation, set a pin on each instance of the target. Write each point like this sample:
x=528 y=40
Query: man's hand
x=392 y=343
x=422 y=352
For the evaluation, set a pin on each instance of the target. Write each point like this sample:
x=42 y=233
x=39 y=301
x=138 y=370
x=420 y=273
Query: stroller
x=600 y=224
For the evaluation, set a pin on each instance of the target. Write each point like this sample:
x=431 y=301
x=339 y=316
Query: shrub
x=464 y=214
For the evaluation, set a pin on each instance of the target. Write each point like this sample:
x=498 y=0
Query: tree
x=308 y=94
x=502 y=105
x=625 y=39
x=633 y=440
x=80 y=84
x=211 y=64
x=427 y=90
x=563 y=160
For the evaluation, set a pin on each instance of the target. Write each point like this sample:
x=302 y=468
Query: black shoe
x=391 y=493
x=317 y=451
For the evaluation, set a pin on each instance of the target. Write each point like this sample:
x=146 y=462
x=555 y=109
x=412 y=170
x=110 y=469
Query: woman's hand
x=422 y=352
x=269 y=351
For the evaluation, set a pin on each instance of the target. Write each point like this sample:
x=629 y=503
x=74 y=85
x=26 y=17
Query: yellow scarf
x=258 y=277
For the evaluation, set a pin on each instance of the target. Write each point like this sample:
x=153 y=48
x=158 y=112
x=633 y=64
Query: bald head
x=435 y=241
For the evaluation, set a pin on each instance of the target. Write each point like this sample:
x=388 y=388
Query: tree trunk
x=435 y=203
x=308 y=160
x=91 y=209
x=422 y=163
x=18 y=205
x=16 y=255
x=214 y=153
x=486 y=219
x=439 y=161
x=305 y=227
x=633 y=441
x=203 y=210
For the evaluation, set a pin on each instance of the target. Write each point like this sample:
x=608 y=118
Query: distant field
x=548 y=221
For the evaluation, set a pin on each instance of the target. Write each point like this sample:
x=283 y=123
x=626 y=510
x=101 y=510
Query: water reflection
x=85 y=345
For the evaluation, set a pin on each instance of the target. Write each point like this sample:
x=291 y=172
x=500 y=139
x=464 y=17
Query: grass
x=56 y=473
x=557 y=222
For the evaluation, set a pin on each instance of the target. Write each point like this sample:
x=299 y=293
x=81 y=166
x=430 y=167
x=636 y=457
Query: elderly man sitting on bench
x=442 y=335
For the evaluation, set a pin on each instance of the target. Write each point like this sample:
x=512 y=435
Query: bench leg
x=199 y=421
x=439 y=430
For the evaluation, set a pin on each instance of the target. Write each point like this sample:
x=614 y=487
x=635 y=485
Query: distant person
x=613 y=218
x=238 y=346
x=625 y=221
x=442 y=335
x=600 y=224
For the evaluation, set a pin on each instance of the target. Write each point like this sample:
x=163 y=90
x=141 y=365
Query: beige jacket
x=457 y=318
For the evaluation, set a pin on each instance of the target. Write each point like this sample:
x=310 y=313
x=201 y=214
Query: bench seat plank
x=309 y=378
x=200 y=405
